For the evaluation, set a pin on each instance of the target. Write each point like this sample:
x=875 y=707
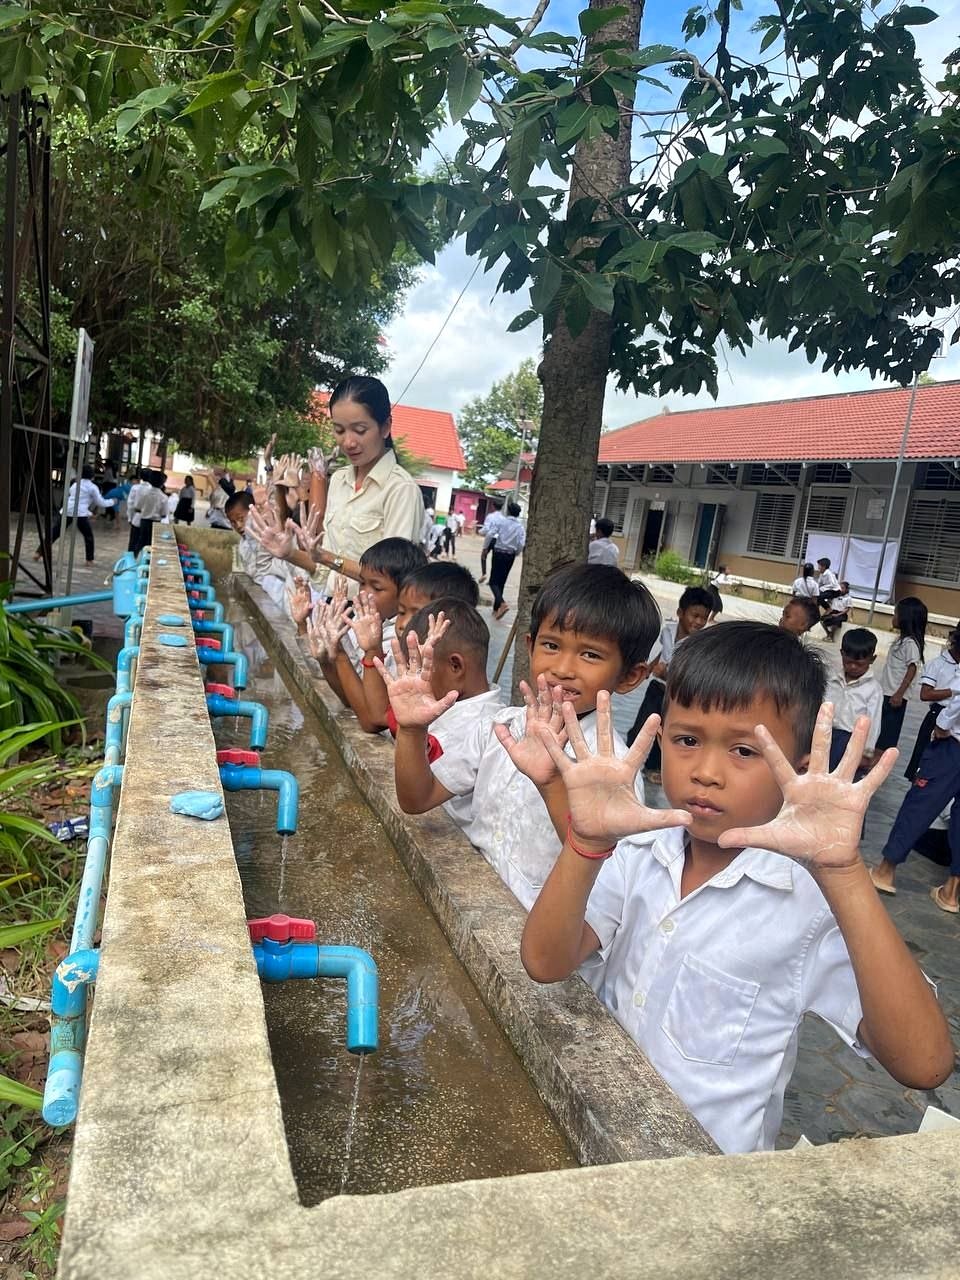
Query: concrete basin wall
x=180 y=1167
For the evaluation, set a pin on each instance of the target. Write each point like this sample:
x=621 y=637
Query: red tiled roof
x=505 y=484
x=859 y=424
x=429 y=434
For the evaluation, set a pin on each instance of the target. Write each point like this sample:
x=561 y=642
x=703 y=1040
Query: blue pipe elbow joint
x=212 y=610
x=68 y=1003
x=257 y=713
x=199 y=593
x=226 y=657
x=278 y=961
x=222 y=629
x=196 y=577
x=244 y=777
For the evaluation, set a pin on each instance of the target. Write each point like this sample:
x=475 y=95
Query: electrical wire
x=426 y=354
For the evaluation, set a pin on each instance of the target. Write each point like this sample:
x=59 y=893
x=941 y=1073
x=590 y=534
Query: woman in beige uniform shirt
x=370 y=499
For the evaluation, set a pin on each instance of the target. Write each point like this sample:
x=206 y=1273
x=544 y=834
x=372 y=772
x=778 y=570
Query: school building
x=760 y=487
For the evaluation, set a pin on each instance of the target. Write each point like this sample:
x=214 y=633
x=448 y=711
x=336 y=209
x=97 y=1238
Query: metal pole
x=523 y=424
x=893 y=497
x=8 y=305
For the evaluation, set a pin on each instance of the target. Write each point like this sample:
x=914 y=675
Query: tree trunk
x=574 y=377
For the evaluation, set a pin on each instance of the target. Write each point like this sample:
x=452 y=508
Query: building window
x=821 y=513
x=786 y=473
x=830 y=473
x=661 y=475
x=725 y=474
x=931 y=539
x=770 y=527
x=934 y=475
x=599 y=494
x=617 y=506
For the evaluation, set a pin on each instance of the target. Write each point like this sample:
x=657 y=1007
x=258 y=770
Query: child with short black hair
x=591 y=629
x=432 y=581
x=838 y=613
x=710 y=929
x=854 y=692
x=904 y=660
x=798 y=615
x=693 y=614
x=602 y=548
x=346 y=646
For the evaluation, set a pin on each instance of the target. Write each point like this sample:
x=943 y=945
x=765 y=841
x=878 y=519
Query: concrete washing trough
x=181 y=1165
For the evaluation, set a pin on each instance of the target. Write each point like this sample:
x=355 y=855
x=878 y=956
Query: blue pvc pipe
x=113 y=739
x=125 y=665
x=278 y=961
x=222 y=629
x=227 y=658
x=57 y=602
x=68 y=1002
x=205 y=593
x=216 y=608
x=189 y=563
x=196 y=577
x=131 y=632
x=257 y=713
x=245 y=777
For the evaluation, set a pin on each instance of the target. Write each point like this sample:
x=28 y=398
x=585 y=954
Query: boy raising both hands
x=710 y=929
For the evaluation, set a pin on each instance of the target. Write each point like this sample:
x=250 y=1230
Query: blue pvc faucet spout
x=285 y=947
x=226 y=657
x=125 y=666
x=113 y=739
x=222 y=629
x=212 y=610
x=250 y=777
x=68 y=1030
x=220 y=705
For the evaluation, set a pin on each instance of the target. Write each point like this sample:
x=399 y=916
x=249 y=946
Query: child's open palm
x=529 y=753
x=601 y=797
x=301 y=600
x=821 y=820
x=367 y=623
x=268 y=530
x=409 y=691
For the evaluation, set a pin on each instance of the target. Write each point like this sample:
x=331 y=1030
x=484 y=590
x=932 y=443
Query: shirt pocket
x=366 y=522
x=707 y=1012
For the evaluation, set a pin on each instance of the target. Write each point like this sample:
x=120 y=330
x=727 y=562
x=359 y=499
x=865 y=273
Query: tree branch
x=536 y=19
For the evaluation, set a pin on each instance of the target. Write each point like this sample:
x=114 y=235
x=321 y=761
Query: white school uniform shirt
x=713 y=987
x=828 y=581
x=841 y=604
x=509 y=823
x=511 y=536
x=471 y=716
x=84 y=497
x=603 y=551
x=903 y=653
x=136 y=489
x=939 y=673
x=805 y=588
x=854 y=698
x=668 y=641
x=949 y=717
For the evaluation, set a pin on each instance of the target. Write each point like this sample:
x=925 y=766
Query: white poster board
x=856 y=560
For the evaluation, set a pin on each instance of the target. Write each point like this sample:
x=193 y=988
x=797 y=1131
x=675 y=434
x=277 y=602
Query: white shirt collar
x=760 y=865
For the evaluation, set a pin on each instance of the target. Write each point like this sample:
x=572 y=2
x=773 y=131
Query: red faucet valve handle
x=224 y=690
x=235 y=756
x=198 y=614
x=282 y=928
x=208 y=642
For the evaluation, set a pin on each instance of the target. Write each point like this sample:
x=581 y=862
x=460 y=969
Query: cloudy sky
x=476 y=349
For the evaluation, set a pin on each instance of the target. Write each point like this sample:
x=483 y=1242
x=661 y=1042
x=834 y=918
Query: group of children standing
x=708 y=928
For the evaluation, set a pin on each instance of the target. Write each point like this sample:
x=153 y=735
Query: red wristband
x=370 y=662
x=592 y=855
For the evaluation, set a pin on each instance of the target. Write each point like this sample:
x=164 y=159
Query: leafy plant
x=672 y=568
x=17 y=781
x=29 y=690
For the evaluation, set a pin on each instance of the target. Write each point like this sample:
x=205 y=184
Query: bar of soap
x=161 y=560
x=171 y=620
x=176 y=642
x=197 y=804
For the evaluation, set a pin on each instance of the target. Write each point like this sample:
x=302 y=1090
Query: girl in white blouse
x=904 y=661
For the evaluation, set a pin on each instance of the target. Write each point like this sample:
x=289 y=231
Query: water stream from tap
x=351 y=1125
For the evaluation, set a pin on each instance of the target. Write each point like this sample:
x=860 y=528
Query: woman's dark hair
x=730 y=666
x=912 y=620
x=438 y=579
x=396 y=557
x=599 y=600
x=369 y=392
x=808 y=570
x=188 y=480
x=86 y=473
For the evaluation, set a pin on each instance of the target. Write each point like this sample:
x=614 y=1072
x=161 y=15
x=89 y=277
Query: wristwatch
x=337 y=564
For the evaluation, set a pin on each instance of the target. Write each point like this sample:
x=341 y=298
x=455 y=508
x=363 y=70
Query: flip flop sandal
x=944 y=906
x=883 y=888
